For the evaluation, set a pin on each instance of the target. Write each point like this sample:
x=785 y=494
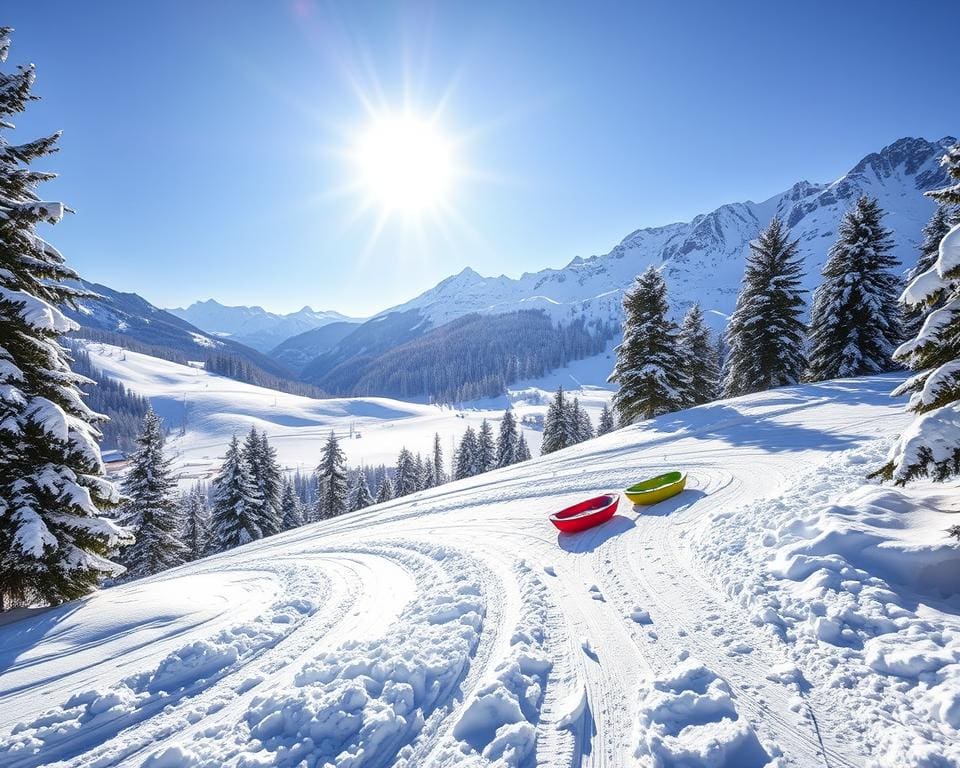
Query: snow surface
x=781 y=611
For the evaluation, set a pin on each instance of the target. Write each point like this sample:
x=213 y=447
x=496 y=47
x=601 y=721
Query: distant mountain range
x=130 y=320
x=255 y=326
x=703 y=259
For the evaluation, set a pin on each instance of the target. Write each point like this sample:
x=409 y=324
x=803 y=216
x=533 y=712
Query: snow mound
x=185 y=672
x=500 y=721
x=866 y=536
x=361 y=703
x=687 y=717
x=861 y=582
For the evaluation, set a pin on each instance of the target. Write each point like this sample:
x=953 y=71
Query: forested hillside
x=297 y=351
x=474 y=356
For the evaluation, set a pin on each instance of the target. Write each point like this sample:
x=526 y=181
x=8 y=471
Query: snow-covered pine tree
x=523 y=450
x=701 y=366
x=944 y=217
x=195 y=522
x=439 y=476
x=405 y=478
x=507 y=440
x=426 y=472
x=486 y=448
x=606 y=424
x=420 y=473
x=930 y=446
x=332 y=490
x=385 y=490
x=291 y=507
x=555 y=427
x=855 y=322
x=766 y=335
x=272 y=484
x=54 y=544
x=573 y=421
x=465 y=461
x=236 y=502
x=360 y=496
x=151 y=511
x=580 y=425
x=648 y=367
x=267 y=476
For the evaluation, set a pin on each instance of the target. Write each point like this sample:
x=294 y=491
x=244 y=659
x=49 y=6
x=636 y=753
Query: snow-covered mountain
x=123 y=318
x=255 y=326
x=703 y=259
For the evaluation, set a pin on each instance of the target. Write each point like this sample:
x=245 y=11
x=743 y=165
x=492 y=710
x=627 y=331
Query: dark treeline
x=236 y=367
x=226 y=364
x=473 y=357
x=131 y=344
x=125 y=409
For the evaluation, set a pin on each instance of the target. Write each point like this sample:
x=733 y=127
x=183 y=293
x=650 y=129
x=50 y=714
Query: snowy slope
x=704 y=258
x=202 y=410
x=255 y=326
x=757 y=619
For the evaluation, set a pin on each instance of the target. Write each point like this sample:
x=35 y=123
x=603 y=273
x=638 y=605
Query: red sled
x=586 y=514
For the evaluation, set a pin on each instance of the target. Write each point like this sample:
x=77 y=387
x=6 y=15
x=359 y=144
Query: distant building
x=114 y=460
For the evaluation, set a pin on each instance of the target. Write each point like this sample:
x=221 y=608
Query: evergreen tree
x=439 y=476
x=420 y=473
x=507 y=440
x=267 y=476
x=930 y=446
x=648 y=368
x=944 y=217
x=523 y=450
x=385 y=491
x=765 y=337
x=236 y=502
x=426 y=472
x=555 y=428
x=360 y=496
x=54 y=544
x=580 y=424
x=151 y=509
x=466 y=459
x=855 y=322
x=405 y=478
x=195 y=522
x=700 y=363
x=291 y=507
x=486 y=449
x=606 y=421
x=332 y=492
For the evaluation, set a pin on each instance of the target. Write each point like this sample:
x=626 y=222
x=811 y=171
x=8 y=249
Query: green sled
x=657 y=488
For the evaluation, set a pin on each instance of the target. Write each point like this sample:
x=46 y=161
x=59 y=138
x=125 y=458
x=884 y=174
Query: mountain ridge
x=255 y=326
x=704 y=257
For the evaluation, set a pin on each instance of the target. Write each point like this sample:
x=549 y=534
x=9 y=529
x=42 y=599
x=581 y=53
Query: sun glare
x=405 y=164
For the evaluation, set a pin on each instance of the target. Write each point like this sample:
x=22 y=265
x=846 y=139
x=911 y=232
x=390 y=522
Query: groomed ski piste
x=781 y=611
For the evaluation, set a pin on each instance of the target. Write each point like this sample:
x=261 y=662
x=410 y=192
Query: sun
x=405 y=164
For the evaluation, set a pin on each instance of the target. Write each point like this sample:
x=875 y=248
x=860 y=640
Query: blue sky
x=203 y=141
